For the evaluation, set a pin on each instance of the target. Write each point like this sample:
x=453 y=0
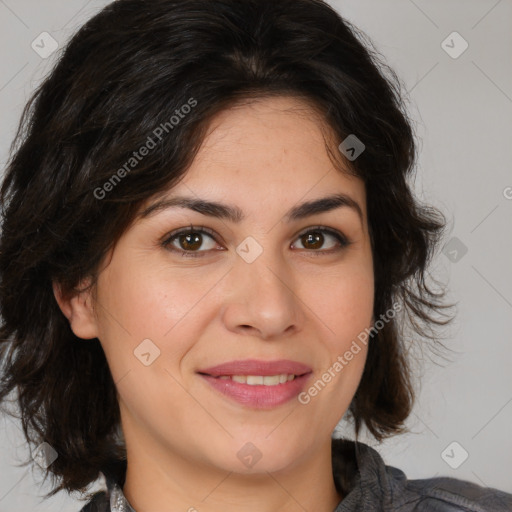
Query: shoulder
x=376 y=486
x=99 y=502
x=451 y=494
x=107 y=497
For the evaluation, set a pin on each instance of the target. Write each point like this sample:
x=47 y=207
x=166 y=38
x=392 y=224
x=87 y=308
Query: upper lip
x=257 y=367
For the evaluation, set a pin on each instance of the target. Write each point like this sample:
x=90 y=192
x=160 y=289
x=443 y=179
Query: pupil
x=196 y=243
x=315 y=239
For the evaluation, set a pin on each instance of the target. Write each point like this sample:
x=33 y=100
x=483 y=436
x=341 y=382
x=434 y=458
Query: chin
x=256 y=454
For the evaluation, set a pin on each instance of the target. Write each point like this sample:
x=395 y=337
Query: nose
x=261 y=298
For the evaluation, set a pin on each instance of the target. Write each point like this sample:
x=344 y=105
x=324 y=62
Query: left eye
x=316 y=237
x=188 y=241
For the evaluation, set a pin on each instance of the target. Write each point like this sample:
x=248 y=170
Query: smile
x=258 y=391
x=255 y=380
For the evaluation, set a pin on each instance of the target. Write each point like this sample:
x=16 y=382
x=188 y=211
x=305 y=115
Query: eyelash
x=340 y=237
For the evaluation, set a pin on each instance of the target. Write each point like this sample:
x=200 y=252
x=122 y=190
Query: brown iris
x=313 y=237
x=192 y=241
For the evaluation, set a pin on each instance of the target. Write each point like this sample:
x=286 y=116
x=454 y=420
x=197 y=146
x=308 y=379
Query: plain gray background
x=462 y=107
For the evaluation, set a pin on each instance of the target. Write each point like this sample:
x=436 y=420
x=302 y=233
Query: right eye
x=187 y=241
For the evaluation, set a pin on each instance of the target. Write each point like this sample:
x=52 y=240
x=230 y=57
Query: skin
x=296 y=301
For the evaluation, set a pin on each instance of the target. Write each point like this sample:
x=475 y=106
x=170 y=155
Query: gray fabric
x=369 y=485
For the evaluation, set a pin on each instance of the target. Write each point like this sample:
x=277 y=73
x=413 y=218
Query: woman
x=209 y=249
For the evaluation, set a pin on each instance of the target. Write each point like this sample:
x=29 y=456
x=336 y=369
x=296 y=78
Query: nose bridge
x=264 y=295
x=264 y=271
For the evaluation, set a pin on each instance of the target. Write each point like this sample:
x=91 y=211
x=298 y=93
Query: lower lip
x=259 y=396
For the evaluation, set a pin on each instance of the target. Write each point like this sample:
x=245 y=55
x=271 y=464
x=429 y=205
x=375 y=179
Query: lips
x=258 y=384
x=257 y=367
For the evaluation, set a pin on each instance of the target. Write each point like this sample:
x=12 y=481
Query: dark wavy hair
x=125 y=73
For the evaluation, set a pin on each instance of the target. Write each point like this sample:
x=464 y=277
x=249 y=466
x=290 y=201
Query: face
x=268 y=286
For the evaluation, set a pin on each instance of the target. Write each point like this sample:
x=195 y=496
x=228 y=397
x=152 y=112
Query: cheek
x=145 y=299
x=344 y=309
x=140 y=301
x=149 y=304
x=344 y=304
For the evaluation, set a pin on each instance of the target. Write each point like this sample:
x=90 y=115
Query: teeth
x=255 y=380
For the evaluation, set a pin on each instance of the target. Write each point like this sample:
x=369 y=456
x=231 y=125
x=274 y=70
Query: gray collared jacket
x=368 y=485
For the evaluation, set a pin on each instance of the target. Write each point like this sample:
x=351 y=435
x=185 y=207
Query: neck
x=159 y=480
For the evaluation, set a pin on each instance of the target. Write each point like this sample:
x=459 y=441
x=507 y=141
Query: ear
x=78 y=309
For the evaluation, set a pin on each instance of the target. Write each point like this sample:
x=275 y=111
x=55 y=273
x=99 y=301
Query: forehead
x=267 y=128
x=277 y=142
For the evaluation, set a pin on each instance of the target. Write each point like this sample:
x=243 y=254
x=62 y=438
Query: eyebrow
x=236 y=215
